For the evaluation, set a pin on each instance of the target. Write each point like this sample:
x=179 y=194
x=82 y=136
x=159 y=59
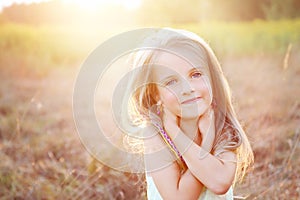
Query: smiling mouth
x=193 y=100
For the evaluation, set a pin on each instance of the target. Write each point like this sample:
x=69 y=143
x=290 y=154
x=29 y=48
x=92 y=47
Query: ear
x=159 y=103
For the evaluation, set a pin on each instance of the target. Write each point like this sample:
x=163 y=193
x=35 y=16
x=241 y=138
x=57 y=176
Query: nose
x=187 y=88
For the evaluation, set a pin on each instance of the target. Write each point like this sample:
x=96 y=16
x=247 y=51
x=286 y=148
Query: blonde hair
x=230 y=135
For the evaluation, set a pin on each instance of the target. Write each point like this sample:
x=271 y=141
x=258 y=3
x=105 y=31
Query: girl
x=195 y=148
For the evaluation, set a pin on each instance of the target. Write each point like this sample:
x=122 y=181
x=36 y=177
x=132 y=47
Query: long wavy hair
x=230 y=135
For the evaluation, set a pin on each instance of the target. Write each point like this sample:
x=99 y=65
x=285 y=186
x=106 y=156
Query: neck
x=190 y=128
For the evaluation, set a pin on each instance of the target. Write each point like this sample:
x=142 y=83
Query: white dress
x=153 y=194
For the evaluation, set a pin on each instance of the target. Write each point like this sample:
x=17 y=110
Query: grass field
x=42 y=156
x=28 y=50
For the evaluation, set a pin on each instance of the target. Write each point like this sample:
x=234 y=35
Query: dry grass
x=267 y=96
x=42 y=157
x=41 y=154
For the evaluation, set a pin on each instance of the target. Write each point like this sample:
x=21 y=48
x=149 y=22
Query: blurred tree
x=232 y=10
x=34 y=13
x=277 y=9
x=152 y=12
x=178 y=11
x=62 y=13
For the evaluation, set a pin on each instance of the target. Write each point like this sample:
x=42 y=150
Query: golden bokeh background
x=44 y=43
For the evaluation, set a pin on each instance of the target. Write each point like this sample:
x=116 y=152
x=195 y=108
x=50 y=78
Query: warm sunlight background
x=43 y=44
x=7 y=3
x=89 y=5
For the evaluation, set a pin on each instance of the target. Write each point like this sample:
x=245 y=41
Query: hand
x=206 y=127
x=166 y=120
x=170 y=122
x=153 y=138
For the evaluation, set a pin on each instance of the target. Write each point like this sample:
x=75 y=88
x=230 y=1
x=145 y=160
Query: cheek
x=208 y=94
x=168 y=96
x=205 y=88
x=170 y=100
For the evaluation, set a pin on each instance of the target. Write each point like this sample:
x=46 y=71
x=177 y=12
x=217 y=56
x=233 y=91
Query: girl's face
x=184 y=89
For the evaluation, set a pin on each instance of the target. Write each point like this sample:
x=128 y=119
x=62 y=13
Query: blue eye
x=171 y=82
x=196 y=74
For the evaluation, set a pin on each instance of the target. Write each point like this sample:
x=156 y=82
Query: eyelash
x=199 y=74
x=174 y=81
x=170 y=82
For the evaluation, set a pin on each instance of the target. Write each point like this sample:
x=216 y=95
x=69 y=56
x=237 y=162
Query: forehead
x=169 y=64
x=171 y=61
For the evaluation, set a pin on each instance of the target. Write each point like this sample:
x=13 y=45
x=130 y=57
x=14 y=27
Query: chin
x=193 y=112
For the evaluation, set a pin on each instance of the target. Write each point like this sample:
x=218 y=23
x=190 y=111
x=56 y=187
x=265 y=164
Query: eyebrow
x=199 y=67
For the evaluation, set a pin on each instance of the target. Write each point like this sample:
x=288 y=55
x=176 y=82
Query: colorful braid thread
x=169 y=142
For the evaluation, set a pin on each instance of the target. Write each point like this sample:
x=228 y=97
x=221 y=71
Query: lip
x=193 y=100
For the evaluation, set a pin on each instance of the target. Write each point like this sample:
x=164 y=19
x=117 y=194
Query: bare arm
x=172 y=185
x=216 y=173
x=166 y=173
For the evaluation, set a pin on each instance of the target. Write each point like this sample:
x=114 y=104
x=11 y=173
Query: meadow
x=41 y=153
